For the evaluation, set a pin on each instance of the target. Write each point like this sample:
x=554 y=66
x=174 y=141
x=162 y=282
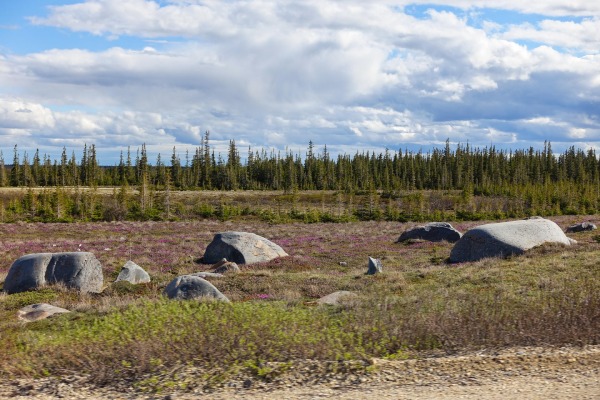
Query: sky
x=275 y=74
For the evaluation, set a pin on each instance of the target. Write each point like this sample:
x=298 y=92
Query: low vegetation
x=458 y=183
x=420 y=303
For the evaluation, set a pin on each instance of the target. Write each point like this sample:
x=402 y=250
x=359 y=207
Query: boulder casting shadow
x=504 y=239
x=241 y=248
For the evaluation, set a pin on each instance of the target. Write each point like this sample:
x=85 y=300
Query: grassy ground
x=420 y=303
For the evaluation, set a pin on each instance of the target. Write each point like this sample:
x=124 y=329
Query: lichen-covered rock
x=375 y=266
x=504 y=239
x=241 y=248
x=133 y=273
x=36 y=312
x=76 y=270
x=337 y=298
x=582 y=227
x=189 y=287
x=432 y=232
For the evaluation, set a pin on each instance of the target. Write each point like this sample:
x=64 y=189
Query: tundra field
x=132 y=337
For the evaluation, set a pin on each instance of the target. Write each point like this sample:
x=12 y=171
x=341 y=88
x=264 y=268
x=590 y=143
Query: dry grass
x=549 y=296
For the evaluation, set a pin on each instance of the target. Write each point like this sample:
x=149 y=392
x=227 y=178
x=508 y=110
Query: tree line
x=449 y=183
x=479 y=170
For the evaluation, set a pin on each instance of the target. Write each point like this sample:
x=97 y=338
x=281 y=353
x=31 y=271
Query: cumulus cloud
x=280 y=73
x=582 y=36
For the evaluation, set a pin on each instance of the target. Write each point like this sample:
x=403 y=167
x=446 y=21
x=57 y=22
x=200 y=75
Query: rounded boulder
x=76 y=270
x=241 y=248
x=133 y=273
x=189 y=287
x=504 y=239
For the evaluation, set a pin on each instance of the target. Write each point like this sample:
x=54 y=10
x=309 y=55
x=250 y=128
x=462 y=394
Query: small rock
x=36 y=312
x=375 y=266
x=205 y=275
x=582 y=227
x=226 y=268
x=343 y=263
x=133 y=273
x=188 y=287
x=432 y=232
x=336 y=298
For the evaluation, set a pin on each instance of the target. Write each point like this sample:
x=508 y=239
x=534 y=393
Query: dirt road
x=523 y=373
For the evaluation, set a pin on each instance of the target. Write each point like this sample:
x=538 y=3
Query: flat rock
x=76 y=270
x=582 y=227
x=432 y=232
x=241 y=248
x=189 y=287
x=36 y=312
x=504 y=239
x=133 y=273
x=206 y=274
x=337 y=298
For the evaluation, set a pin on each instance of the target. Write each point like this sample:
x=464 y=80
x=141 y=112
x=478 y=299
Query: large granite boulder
x=582 y=227
x=36 y=312
x=504 y=239
x=133 y=273
x=241 y=248
x=77 y=270
x=188 y=287
x=432 y=232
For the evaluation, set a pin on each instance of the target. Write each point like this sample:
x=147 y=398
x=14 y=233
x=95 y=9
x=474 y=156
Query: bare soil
x=514 y=373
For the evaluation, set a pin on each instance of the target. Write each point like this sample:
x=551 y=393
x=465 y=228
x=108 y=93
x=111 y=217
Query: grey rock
x=227 y=268
x=504 y=239
x=432 y=232
x=188 y=287
x=337 y=298
x=133 y=273
x=241 y=248
x=36 y=312
x=205 y=275
x=77 y=270
x=343 y=264
x=375 y=266
x=582 y=227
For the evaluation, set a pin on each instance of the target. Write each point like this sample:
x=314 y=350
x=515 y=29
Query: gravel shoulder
x=524 y=373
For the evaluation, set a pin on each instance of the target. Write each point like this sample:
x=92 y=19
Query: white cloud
x=276 y=73
x=583 y=36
